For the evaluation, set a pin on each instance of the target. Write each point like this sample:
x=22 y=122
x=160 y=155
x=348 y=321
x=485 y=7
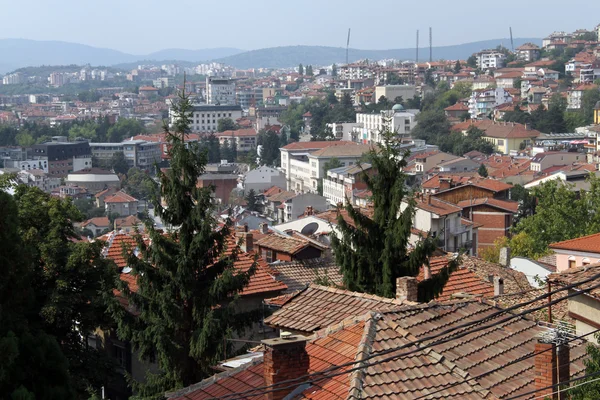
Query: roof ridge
x=364 y=349
x=574 y=239
x=359 y=294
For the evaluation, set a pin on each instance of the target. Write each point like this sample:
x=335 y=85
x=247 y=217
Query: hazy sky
x=143 y=26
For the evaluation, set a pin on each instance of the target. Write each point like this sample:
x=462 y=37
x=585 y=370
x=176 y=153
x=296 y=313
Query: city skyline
x=139 y=30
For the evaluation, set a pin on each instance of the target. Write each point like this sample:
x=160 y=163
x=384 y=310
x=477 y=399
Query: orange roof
x=507 y=205
x=587 y=244
x=237 y=133
x=457 y=107
x=284 y=244
x=436 y=206
x=97 y=221
x=120 y=197
x=493 y=185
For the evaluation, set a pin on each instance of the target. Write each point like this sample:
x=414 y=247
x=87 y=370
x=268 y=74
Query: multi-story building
x=304 y=162
x=487 y=59
x=40 y=179
x=58 y=79
x=370 y=125
x=62 y=157
x=245 y=139
x=220 y=91
x=528 y=52
x=163 y=82
x=248 y=98
x=13 y=79
x=205 y=118
x=341 y=183
x=355 y=71
x=343 y=130
x=138 y=153
x=575 y=95
x=483 y=101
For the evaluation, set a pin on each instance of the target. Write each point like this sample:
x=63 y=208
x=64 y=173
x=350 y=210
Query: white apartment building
x=392 y=91
x=355 y=71
x=220 y=91
x=13 y=79
x=370 y=125
x=482 y=102
x=487 y=59
x=343 y=130
x=303 y=162
x=245 y=139
x=205 y=118
x=340 y=183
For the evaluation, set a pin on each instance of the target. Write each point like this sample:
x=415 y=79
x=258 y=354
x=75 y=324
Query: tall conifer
x=185 y=305
x=373 y=251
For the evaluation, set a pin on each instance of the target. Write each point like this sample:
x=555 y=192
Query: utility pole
x=430 y=46
x=417 y=61
x=347 y=45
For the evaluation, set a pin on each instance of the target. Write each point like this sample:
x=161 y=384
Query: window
x=269 y=255
x=120 y=355
x=571 y=263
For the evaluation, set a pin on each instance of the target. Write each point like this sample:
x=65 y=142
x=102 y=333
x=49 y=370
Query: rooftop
x=587 y=244
x=298 y=274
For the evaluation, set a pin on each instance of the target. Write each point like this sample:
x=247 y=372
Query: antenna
x=417 y=46
x=347 y=45
x=512 y=43
x=430 y=46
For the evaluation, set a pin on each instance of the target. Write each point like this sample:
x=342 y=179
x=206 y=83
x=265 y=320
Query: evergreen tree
x=373 y=252
x=482 y=171
x=334 y=70
x=251 y=200
x=457 y=67
x=188 y=286
x=300 y=70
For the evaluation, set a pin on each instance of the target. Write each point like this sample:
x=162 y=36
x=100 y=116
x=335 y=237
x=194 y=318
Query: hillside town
x=395 y=229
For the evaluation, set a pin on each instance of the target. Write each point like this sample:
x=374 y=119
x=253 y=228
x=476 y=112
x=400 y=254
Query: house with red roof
x=578 y=252
x=456 y=110
x=121 y=203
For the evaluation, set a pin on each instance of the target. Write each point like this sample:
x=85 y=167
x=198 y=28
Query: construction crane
x=347 y=45
x=512 y=43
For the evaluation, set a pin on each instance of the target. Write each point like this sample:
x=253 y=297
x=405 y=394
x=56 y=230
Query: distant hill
x=19 y=53
x=290 y=56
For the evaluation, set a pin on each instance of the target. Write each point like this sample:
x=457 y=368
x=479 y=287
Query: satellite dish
x=127 y=270
x=310 y=229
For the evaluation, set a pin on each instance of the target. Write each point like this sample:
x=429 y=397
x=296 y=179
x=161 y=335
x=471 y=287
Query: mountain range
x=18 y=53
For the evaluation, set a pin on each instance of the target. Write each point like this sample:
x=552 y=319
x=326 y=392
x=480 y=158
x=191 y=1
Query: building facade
x=220 y=91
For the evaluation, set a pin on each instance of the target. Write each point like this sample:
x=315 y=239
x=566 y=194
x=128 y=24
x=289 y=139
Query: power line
x=515 y=361
x=566 y=389
x=557 y=385
x=325 y=374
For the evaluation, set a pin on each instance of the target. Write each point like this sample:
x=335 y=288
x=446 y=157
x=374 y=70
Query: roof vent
x=127 y=270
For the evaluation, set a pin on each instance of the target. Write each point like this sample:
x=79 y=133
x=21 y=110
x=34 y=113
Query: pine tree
x=482 y=171
x=373 y=251
x=334 y=70
x=188 y=286
x=300 y=70
x=251 y=200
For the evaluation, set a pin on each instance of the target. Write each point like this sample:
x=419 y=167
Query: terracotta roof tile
x=120 y=197
x=314 y=145
x=506 y=205
x=573 y=275
x=588 y=244
x=298 y=274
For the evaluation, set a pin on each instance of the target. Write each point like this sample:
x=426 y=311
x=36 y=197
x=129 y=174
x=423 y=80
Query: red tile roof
x=506 y=205
x=120 y=197
x=298 y=274
x=587 y=244
x=437 y=206
x=457 y=107
x=285 y=244
x=100 y=222
x=314 y=145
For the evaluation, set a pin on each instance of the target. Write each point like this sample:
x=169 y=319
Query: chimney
x=284 y=359
x=264 y=228
x=426 y=272
x=247 y=241
x=504 y=259
x=545 y=368
x=498 y=286
x=406 y=288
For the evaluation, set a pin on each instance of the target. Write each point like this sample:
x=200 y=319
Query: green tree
x=482 y=171
x=384 y=103
x=71 y=282
x=588 y=102
x=188 y=286
x=86 y=131
x=25 y=139
x=309 y=70
x=251 y=200
x=472 y=61
x=334 y=70
x=140 y=184
x=89 y=96
x=88 y=208
x=211 y=146
x=331 y=98
x=431 y=125
x=226 y=124
x=118 y=163
x=124 y=128
x=300 y=70
x=270 y=154
x=373 y=252
x=457 y=67
x=526 y=202
x=589 y=388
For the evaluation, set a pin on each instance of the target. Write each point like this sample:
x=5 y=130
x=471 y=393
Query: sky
x=143 y=26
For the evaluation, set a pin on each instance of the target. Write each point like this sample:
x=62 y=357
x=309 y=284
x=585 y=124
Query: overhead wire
x=556 y=385
x=325 y=374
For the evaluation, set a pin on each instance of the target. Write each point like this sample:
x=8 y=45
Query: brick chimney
x=564 y=363
x=498 y=286
x=284 y=359
x=426 y=272
x=247 y=241
x=545 y=368
x=406 y=288
x=264 y=228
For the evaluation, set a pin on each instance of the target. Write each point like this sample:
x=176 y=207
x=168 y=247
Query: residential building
x=205 y=118
x=354 y=71
x=40 y=179
x=249 y=98
x=443 y=220
x=459 y=164
x=483 y=102
x=369 y=324
x=584 y=308
x=579 y=252
x=245 y=139
x=341 y=183
x=297 y=275
x=94 y=179
x=220 y=91
x=370 y=126
x=343 y=130
x=277 y=247
x=528 y=52
x=121 y=203
x=222 y=183
x=303 y=204
x=509 y=136
x=541 y=161
x=575 y=95
x=422 y=162
x=96 y=225
x=163 y=82
x=490 y=59
x=263 y=178
x=138 y=153
x=457 y=110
